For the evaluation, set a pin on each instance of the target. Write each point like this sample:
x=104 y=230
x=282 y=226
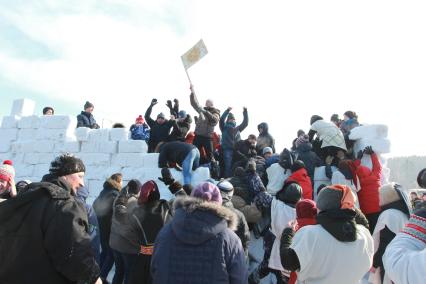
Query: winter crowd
x=356 y=229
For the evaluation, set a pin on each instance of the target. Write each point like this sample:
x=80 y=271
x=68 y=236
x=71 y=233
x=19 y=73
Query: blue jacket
x=199 y=246
x=95 y=239
x=231 y=132
x=140 y=132
x=86 y=119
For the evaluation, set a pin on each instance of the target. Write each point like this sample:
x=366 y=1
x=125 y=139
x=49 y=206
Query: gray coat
x=208 y=118
x=199 y=246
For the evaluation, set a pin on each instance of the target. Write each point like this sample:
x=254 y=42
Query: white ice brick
x=109 y=147
x=44 y=146
x=200 y=175
x=23 y=107
x=82 y=133
x=155 y=173
x=366 y=160
x=319 y=174
x=23 y=170
x=164 y=191
x=150 y=160
x=4 y=146
x=95 y=187
x=133 y=173
x=28 y=122
x=55 y=134
x=68 y=147
x=10 y=121
x=99 y=135
x=38 y=158
x=58 y=121
x=132 y=146
x=128 y=160
x=27 y=134
x=372 y=131
x=119 y=134
x=384 y=179
x=16 y=158
x=5 y=156
x=101 y=172
x=9 y=134
x=41 y=170
x=380 y=146
x=95 y=159
x=22 y=147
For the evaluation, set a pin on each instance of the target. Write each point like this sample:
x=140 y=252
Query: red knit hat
x=149 y=192
x=140 y=119
x=306 y=213
x=7 y=172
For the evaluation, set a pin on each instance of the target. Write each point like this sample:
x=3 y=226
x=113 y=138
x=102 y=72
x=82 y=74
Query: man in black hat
x=45 y=230
x=86 y=118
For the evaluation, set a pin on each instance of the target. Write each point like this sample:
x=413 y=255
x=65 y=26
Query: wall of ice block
x=32 y=142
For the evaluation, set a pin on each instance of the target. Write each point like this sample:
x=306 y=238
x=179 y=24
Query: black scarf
x=340 y=223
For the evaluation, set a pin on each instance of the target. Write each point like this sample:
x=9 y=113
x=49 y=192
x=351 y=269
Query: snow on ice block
x=150 y=160
x=27 y=122
x=23 y=107
x=44 y=146
x=99 y=135
x=119 y=134
x=68 y=147
x=372 y=131
x=200 y=175
x=101 y=172
x=82 y=133
x=10 y=121
x=38 y=158
x=27 y=134
x=95 y=187
x=23 y=170
x=95 y=159
x=22 y=147
x=380 y=146
x=153 y=173
x=134 y=173
x=55 y=134
x=99 y=147
x=58 y=121
x=4 y=146
x=132 y=146
x=9 y=134
x=41 y=169
x=128 y=160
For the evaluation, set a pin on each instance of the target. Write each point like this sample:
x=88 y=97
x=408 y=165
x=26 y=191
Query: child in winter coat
x=306 y=213
x=140 y=130
x=395 y=211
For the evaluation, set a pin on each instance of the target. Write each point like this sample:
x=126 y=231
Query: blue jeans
x=107 y=259
x=227 y=160
x=191 y=162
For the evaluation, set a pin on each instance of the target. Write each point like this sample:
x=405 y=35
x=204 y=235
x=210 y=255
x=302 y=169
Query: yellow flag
x=193 y=55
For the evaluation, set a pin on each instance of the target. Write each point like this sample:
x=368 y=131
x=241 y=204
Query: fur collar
x=191 y=204
x=112 y=184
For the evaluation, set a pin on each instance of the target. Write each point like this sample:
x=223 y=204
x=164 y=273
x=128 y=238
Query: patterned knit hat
x=416 y=226
x=7 y=172
x=140 y=119
x=208 y=192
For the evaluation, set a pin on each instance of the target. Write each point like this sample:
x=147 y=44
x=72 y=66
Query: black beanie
x=315 y=118
x=88 y=104
x=421 y=178
x=134 y=186
x=66 y=164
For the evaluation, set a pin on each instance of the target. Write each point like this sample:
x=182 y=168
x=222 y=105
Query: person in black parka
x=160 y=128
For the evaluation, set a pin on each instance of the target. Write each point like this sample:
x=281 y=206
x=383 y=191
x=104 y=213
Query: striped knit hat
x=7 y=172
x=416 y=226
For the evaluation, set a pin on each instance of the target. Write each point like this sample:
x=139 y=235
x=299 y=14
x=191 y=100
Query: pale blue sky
x=284 y=60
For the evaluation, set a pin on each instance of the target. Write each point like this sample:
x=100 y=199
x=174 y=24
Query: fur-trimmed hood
x=112 y=184
x=196 y=221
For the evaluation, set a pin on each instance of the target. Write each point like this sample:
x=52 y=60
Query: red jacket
x=370 y=185
x=301 y=177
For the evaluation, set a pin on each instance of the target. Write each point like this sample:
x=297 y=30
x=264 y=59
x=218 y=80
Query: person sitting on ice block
x=180 y=154
x=86 y=118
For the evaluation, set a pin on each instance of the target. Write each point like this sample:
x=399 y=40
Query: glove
x=360 y=154
x=176 y=101
x=244 y=109
x=166 y=176
x=169 y=104
x=154 y=102
x=368 y=150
